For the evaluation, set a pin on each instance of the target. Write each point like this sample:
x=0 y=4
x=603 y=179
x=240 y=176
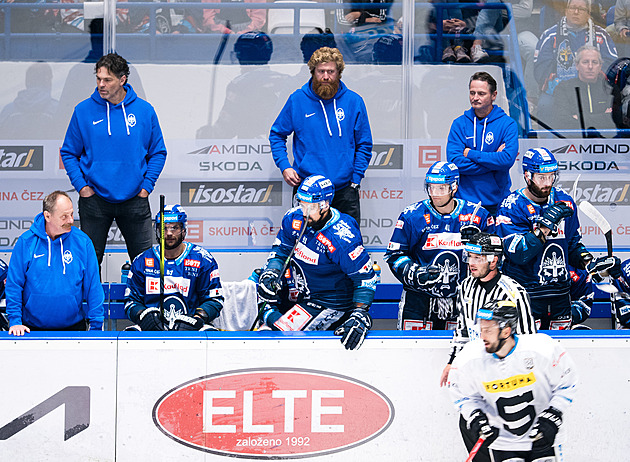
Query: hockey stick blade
x=475 y=449
x=590 y=211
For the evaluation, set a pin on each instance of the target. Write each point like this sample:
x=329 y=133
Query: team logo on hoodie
x=131 y=120
x=67 y=257
x=340 y=114
x=489 y=138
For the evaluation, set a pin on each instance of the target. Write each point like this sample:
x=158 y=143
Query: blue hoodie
x=48 y=280
x=330 y=137
x=485 y=172
x=117 y=150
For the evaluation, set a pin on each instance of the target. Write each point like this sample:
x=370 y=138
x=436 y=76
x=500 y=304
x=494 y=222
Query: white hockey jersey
x=513 y=391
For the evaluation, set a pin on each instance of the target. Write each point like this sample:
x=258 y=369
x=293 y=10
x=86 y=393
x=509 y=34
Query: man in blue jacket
x=113 y=154
x=53 y=269
x=483 y=143
x=331 y=132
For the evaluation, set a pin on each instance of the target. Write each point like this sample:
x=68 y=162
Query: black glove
x=354 y=330
x=189 y=323
x=544 y=432
x=604 y=266
x=268 y=284
x=467 y=232
x=580 y=311
x=150 y=319
x=417 y=277
x=480 y=426
x=553 y=215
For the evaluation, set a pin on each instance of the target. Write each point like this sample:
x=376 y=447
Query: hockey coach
x=331 y=132
x=113 y=154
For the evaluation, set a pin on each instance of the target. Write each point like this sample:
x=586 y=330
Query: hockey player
x=425 y=250
x=512 y=390
x=540 y=230
x=485 y=283
x=331 y=268
x=193 y=296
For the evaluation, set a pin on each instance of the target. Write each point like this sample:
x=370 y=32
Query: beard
x=541 y=193
x=325 y=90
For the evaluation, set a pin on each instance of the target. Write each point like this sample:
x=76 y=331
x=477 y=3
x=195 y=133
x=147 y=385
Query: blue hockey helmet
x=172 y=214
x=316 y=188
x=253 y=47
x=388 y=49
x=539 y=160
x=442 y=173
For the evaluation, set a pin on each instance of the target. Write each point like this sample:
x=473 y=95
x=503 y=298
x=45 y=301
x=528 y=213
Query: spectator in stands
x=595 y=104
x=257 y=82
x=620 y=29
x=30 y=115
x=554 y=61
x=331 y=132
x=233 y=20
x=53 y=269
x=113 y=154
x=483 y=143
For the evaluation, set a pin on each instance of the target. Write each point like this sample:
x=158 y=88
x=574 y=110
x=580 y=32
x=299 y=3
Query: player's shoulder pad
x=203 y=253
x=411 y=208
x=342 y=231
x=471 y=352
x=539 y=343
x=561 y=196
x=510 y=201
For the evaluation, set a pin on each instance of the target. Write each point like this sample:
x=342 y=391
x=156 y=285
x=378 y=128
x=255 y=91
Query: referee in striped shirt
x=483 y=254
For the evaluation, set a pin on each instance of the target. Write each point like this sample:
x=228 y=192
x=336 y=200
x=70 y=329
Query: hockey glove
x=150 y=319
x=553 y=215
x=189 y=323
x=270 y=316
x=480 y=426
x=544 y=432
x=605 y=266
x=622 y=309
x=268 y=285
x=427 y=276
x=580 y=311
x=354 y=330
x=468 y=232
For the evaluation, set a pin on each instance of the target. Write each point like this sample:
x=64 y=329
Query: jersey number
x=512 y=410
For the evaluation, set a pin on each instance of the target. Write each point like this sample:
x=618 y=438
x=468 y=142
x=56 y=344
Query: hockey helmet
x=484 y=244
x=316 y=188
x=315 y=40
x=442 y=173
x=172 y=214
x=539 y=160
x=504 y=312
x=253 y=47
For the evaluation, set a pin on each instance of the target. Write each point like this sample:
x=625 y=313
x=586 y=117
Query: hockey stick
x=590 y=211
x=284 y=268
x=162 y=255
x=580 y=111
x=475 y=449
x=574 y=188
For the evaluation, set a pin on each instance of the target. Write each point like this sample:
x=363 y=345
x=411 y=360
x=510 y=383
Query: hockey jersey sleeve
x=463 y=390
x=515 y=229
x=134 y=292
x=562 y=377
x=398 y=253
x=209 y=289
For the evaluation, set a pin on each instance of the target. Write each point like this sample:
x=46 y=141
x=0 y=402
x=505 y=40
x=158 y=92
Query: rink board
x=219 y=396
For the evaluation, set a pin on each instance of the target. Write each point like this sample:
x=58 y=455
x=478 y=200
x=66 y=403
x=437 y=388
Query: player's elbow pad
x=523 y=248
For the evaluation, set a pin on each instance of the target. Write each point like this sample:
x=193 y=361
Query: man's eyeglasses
x=577 y=9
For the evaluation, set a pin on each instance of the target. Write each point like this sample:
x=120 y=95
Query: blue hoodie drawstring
x=326 y=117
x=483 y=135
x=474 y=131
x=49 y=250
x=125 y=114
x=62 y=260
x=109 y=130
x=337 y=118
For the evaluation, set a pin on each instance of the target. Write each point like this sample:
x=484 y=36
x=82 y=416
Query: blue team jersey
x=330 y=266
x=427 y=237
x=542 y=271
x=4 y=269
x=193 y=278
